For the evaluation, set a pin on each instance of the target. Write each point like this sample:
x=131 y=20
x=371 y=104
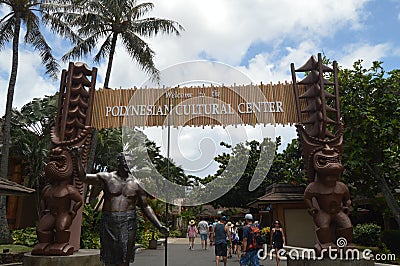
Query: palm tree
x=25 y=13
x=99 y=20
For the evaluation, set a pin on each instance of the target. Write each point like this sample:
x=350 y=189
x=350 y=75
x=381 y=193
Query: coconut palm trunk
x=110 y=59
x=4 y=232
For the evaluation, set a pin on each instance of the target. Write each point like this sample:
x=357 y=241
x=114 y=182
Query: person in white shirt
x=203 y=231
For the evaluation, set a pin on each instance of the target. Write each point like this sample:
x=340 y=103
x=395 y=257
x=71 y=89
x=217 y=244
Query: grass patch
x=15 y=248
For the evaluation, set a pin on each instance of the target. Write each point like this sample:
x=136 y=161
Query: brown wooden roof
x=8 y=188
x=280 y=193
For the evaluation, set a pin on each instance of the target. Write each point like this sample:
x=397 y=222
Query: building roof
x=210 y=212
x=280 y=193
x=8 y=188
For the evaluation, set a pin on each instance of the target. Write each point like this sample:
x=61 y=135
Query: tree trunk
x=110 y=59
x=387 y=193
x=5 y=236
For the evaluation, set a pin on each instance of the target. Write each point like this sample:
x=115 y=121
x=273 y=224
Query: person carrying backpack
x=250 y=245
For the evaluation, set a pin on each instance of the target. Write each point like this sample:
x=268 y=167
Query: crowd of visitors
x=235 y=239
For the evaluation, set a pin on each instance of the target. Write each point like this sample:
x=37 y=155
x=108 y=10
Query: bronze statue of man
x=122 y=194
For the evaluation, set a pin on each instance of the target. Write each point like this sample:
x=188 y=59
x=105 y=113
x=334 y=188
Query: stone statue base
x=86 y=257
x=328 y=262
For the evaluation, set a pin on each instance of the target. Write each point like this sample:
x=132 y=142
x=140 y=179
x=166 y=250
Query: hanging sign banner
x=195 y=106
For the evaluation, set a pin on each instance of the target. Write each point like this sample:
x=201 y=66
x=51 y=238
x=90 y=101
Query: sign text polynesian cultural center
x=195 y=106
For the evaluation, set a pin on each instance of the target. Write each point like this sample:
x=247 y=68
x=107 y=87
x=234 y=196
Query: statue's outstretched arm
x=148 y=211
x=92 y=179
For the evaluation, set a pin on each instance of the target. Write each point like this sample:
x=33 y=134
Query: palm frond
x=141 y=52
x=6 y=31
x=152 y=26
x=60 y=27
x=83 y=47
x=90 y=24
x=141 y=9
x=104 y=50
x=34 y=36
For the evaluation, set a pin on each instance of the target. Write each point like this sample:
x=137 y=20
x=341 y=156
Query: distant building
x=285 y=202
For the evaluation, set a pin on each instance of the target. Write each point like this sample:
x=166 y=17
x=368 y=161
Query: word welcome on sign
x=195 y=106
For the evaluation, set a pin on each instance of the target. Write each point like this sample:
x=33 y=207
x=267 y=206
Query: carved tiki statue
x=62 y=198
x=321 y=134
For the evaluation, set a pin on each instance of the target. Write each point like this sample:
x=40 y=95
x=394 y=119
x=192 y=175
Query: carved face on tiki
x=60 y=166
x=328 y=166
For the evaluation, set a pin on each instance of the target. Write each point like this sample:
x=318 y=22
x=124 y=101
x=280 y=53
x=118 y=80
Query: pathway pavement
x=180 y=255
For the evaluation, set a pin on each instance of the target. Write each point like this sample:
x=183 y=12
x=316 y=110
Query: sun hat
x=229 y=224
x=192 y=222
x=248 y=217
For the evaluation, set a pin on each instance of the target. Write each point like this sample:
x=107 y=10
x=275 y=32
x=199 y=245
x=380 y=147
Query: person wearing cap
x=248 y=255
x=221 y=233
x=192 y=230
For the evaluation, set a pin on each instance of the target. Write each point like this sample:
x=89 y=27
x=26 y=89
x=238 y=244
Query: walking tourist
x=229 y=242
x=221 y=234
x=203 y=231
x=210 y=229
x=249 y=252
x=277 y=239
x=235 y=240
x=192 y=230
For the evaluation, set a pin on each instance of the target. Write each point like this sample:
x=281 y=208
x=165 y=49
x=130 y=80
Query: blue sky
x=258 y=37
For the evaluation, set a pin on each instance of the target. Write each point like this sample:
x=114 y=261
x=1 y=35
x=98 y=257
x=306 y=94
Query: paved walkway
x=180 y=255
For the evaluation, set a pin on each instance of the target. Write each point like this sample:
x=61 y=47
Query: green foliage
x=255 y=156
x=140 y=226
x=26 y=236
x=90 y=231
x=391 y=239
x=147 y=236
x=370 y=105
x=175 y=233
x=109 y=144
x=285 y=167
x=367 y=234
x=30 y=135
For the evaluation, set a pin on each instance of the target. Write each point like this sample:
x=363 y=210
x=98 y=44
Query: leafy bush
x=175 y=233
x=367 y=234
x=25 y=236
x=147 y=236
x=90 y=230
x=391 y=239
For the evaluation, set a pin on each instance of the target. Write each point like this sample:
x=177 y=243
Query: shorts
x=250 y=257
x=203 y=237
x=221 y=250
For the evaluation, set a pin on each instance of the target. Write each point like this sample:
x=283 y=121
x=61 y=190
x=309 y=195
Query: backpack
x=257 y=240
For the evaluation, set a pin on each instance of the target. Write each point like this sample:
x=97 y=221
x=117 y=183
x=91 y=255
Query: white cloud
x=223 y=30
x=367 y=52
x=30 y=84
